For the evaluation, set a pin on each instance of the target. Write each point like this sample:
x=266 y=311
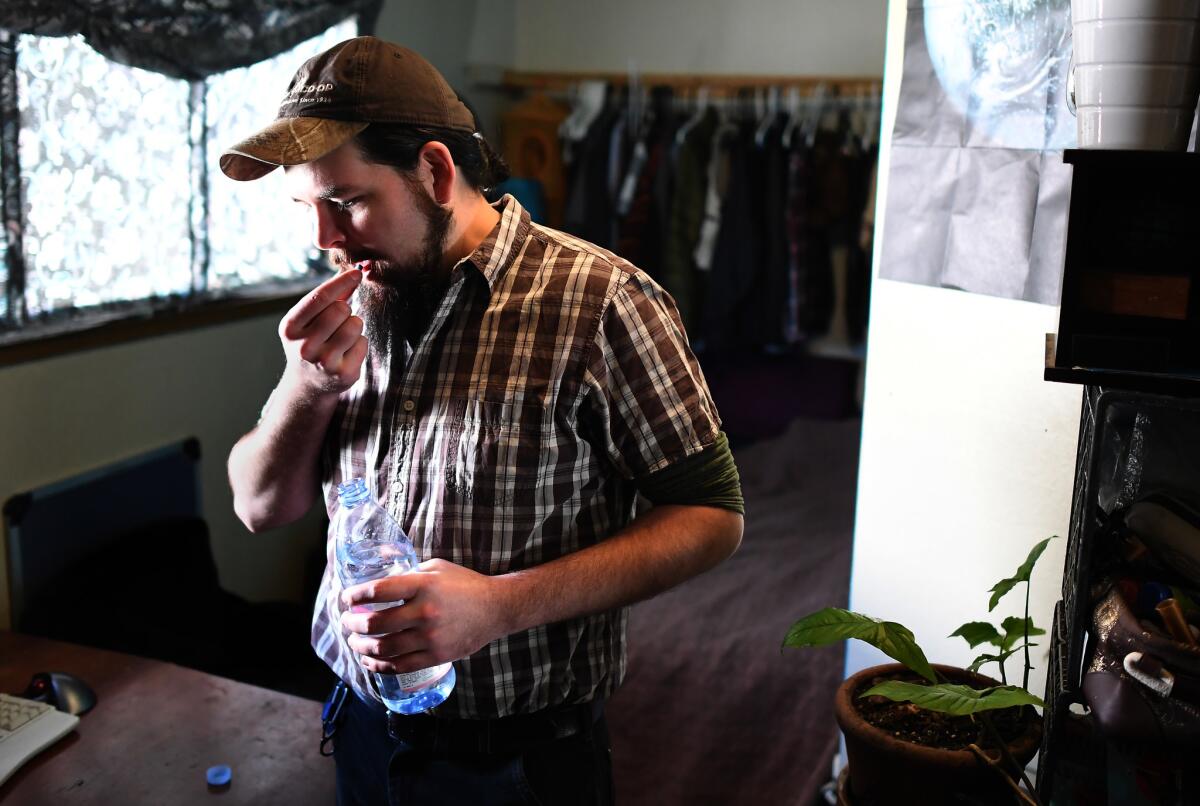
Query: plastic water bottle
x=371 y=545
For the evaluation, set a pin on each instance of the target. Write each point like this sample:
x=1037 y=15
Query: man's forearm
x=450 y=611
x=274 y=469
x=657 y=551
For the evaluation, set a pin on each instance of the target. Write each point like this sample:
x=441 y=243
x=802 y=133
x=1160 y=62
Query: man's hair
x=398 y=145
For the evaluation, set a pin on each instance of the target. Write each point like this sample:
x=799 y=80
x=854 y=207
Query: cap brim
x=287 y=141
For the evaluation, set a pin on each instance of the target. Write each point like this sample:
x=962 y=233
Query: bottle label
x=412 y=681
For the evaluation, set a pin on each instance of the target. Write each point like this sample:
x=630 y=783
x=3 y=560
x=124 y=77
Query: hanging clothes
x=589 y=207
x=828 y=203
x=770 y=330
x=643 y=211
x=738 y=255
x=796 y=232
x=686 y=208
x=716 y=185
x=752 y=221
x=858 y=300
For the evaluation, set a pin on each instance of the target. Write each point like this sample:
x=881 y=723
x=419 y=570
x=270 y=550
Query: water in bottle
x=370 y=545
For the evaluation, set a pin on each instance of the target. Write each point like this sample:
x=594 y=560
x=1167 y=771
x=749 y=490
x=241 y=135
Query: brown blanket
x=712 y=712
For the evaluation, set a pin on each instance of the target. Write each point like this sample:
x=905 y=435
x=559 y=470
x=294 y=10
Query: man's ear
x=438 y=171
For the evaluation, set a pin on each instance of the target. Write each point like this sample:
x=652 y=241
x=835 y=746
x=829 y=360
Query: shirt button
x=409 y=405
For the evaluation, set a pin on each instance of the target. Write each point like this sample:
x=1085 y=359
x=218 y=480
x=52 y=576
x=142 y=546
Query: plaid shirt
x=552 y=376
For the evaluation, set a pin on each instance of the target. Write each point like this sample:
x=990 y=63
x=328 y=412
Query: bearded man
x=515 y=390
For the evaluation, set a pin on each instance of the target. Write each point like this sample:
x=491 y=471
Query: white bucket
x=1136 y=72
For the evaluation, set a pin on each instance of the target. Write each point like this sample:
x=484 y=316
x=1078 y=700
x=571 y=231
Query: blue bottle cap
x=352 y=493
x=219 y=775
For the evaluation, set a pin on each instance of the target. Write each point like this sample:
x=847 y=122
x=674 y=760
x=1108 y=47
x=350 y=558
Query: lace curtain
x=105 y=195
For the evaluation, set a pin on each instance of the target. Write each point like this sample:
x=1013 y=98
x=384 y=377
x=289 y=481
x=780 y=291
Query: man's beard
x=400 y=297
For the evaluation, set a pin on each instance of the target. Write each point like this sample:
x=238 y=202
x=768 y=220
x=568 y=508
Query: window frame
x=42 y=341
x=73 y=329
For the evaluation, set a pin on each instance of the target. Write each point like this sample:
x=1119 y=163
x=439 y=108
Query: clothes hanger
x=792 y=105
x=810 y=115
x=850 y=120
x=638 y=128
x=770 y=107
x=818 y=110
x=587 y=101
x=697 y=116
x=636 y=100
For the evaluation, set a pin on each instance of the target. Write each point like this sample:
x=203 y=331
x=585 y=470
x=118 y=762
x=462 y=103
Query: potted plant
x=918 y=733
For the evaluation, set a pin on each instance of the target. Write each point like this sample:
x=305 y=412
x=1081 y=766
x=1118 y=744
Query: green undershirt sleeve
x=708 y=478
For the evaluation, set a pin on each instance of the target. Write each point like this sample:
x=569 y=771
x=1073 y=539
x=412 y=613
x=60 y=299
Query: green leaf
x=1005 y=585
x=998 y=658
x=1015 y=630
x=833 y=624
x=978 y=632
x=980 y=661
x=954 y=699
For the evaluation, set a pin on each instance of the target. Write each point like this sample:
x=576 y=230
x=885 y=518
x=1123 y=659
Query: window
x=124 y=208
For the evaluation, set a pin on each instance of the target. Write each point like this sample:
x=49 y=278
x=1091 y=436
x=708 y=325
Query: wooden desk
x=157 y=727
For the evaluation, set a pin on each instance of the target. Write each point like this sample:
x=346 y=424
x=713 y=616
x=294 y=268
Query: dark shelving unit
x=1129 y=333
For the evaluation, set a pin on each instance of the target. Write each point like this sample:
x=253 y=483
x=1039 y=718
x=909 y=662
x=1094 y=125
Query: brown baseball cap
x=335 y=95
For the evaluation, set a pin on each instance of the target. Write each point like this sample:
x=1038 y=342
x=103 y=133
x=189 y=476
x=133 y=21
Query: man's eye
x=347 y=204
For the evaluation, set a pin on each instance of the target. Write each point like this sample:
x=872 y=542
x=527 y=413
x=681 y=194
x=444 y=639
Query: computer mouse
x=66 y=692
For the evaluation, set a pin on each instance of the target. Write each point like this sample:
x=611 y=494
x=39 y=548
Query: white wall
x=967 y=454
x=773 y=37
x=456 y=35
x=69 y=414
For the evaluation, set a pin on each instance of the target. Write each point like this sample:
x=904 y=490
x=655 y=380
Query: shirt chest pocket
x=492 y=454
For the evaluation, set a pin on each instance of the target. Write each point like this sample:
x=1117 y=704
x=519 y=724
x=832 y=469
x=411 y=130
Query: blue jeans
x=373 y=769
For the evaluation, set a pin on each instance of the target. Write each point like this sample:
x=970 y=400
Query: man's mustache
x=345 y=260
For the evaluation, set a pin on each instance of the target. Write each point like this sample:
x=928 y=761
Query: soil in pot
x=909 y=723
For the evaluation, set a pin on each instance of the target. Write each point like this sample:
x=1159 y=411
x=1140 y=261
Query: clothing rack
x=743 y=94
x=745 y=196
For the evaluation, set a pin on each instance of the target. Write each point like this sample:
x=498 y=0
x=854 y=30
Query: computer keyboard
x=26 y=728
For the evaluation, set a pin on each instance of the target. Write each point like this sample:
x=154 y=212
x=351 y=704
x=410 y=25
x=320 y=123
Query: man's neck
x=475 y=222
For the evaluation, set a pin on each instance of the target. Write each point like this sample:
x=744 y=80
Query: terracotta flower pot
x=887 y=770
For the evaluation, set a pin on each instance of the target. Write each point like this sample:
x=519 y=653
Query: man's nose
x=327 y=233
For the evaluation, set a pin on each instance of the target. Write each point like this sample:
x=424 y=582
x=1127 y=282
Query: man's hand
x=448 y=613
x=322 y=339
x=273 y=468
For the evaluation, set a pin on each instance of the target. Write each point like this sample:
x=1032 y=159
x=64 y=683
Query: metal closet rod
x=716 y=84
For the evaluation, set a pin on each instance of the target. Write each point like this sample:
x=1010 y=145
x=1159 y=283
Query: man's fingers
x=396 y=641
x=377 y=622
x=331 y=355
x=335 y=289
x=321 y=328
x=352 y=361
x=385 y=589
x=347 y=333
x=413 y=662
